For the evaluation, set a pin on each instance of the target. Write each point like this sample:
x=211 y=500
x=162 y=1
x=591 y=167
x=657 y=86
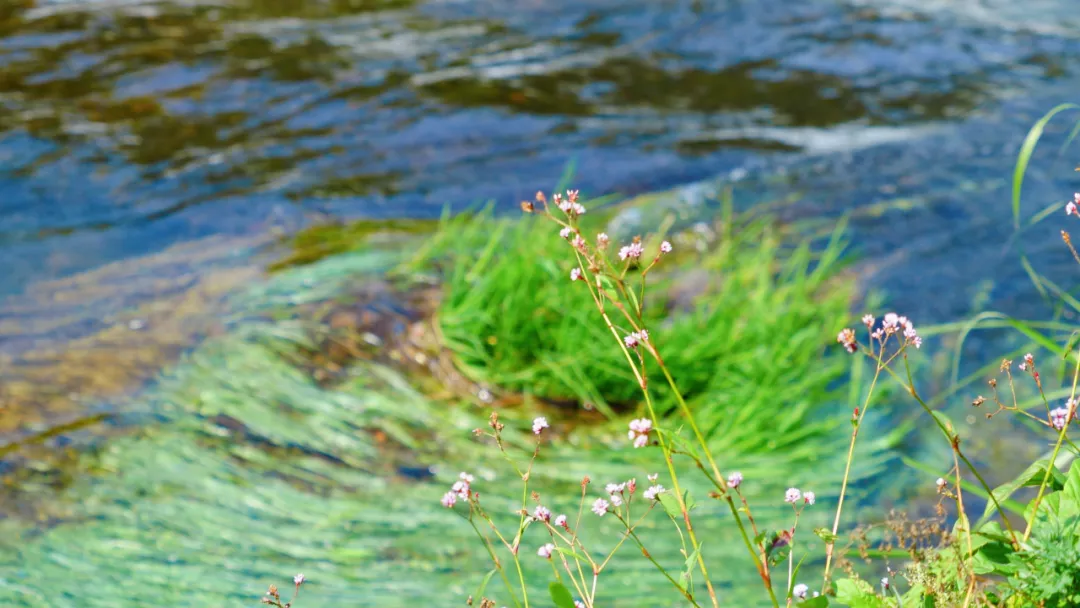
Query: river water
x=153 y=154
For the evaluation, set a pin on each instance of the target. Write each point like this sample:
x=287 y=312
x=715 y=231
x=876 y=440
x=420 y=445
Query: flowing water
x=153 y=154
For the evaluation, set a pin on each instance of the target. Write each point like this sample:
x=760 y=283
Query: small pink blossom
x=579 y=243
x=542 y=513
x=616 y=499
x=891 y=323
x=575 y=274
x=539 y=424
x=809 y=497
x=734 y=480
x=799 y=591
x=614 y=488
x=600 y=507
x=1071 y=208
x=792 y=495
x=847 y=338
x=565 y=232
x=602 y=240
x=631 y=486
x=299 y=579
x=449 y=499
x=461 y=488
x=635 y=339
x=653 y=477
x=868 y=321
x=639 y=432
x=940 y=483
x=545 y=551
x=572 y=195
x=632 y=251
x=665 y=247
x=1059 y=417
x=466 y=477
x=654 y=491
x=579 y=604
x=561 y=522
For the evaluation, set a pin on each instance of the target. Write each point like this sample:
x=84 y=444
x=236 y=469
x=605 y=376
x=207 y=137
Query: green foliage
x=750 y=339
x=1046 y=569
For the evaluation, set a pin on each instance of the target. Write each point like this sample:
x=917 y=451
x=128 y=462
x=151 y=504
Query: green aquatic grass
x=247 y=471
x=191 y=511
x=751 y=338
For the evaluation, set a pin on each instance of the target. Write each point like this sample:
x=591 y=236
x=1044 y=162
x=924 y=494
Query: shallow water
x=152 y=153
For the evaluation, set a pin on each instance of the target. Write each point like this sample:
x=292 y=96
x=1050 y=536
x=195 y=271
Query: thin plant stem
x=685 y=593
x=663 y=444
x=830 y=546
x=1053 y=457
x=496 y=562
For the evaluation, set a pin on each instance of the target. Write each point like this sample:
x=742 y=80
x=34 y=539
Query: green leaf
x=483 y=584
x=821 y=601
x=680 y=444
x=560 y=595
x=857 y=594
x=671 y=505
x=689 y=501
x=1026 y=150
x=1032 y=476
x=944 y=420
x=825 y=534
x=577 y=556
x=1070 y=494
x=991 y=558
x=692 y=559
x=778 y=548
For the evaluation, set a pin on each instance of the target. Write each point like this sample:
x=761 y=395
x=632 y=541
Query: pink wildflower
x=602 y=240
x=654 y=492
x=868 y=321
x=809 y=497
x=298 y=579
x=799 y=591
x=653 y=477
x=545 y=551
x=734 y=480
x=565 y=232
x=1059 y=417
x=575 y=274
x=634 y=339
x=632 y=251
x=665 y=247
x=561 y=522
x=542 y=513
x=616 y=499
x=539 y=424
x=449 y=499
x=847 y=338
x=614 y=488
x=639 y=432
x=600 y=507
x=792 y=495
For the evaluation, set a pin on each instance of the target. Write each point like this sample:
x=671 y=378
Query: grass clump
x=743 y=318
